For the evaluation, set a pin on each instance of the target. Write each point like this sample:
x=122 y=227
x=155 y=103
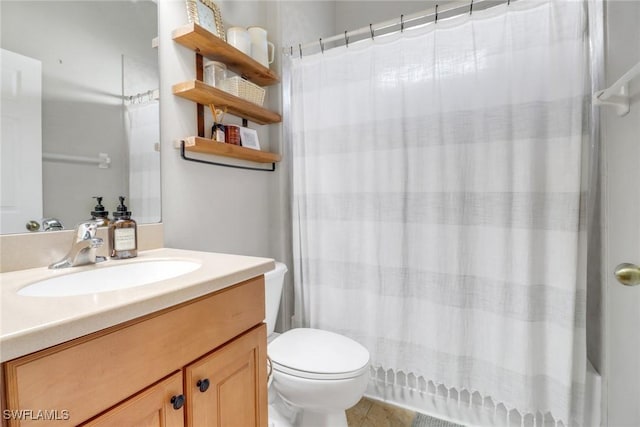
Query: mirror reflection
x=80 y=113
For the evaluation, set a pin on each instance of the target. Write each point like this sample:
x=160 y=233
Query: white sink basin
x=109 y=278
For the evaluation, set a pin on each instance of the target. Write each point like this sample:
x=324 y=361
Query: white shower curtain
x=143 y=134
x=438 y=203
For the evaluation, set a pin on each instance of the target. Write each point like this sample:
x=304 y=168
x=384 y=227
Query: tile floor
x=372 y=413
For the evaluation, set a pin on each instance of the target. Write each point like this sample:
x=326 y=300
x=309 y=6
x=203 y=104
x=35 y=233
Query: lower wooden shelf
x=198 y=144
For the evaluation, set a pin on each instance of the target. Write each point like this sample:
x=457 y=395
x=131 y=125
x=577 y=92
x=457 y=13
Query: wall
x=212 y=208
x=82 y=112
x=354 y=14
x=621 y=149
x=205 y=207
x=351 y=15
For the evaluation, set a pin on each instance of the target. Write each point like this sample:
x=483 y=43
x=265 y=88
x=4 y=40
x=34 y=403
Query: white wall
x=351 y=15
x=354 y=14
x=81 y=45
x=205 y=207
x=214 y=208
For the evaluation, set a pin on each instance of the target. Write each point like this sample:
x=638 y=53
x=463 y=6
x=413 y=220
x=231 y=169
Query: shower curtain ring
x=471 y=7
x=346 y=38
x=402 y=23
x=321 y=45
x=371 y=29
x=300 y=49
x=436 y=21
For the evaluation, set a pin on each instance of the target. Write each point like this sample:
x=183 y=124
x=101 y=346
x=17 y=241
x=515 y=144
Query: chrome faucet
x=51 y=224
x=83 y=250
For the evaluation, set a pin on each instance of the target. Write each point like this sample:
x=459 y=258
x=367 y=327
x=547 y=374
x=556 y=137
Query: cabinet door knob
x=203 y=385
x=177 y=401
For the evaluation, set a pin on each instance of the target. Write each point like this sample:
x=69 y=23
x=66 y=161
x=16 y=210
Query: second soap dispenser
x=100 y=215
x=123 y=233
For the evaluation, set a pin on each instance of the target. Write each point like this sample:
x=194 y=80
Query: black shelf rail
x=208 y=162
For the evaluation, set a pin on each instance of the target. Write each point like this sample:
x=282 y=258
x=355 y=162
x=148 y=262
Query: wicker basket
x=243 y=89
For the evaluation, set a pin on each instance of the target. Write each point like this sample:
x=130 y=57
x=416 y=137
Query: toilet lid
x=318 y=352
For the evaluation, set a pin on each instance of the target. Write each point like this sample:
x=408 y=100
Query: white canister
x=239 y=38
x=260 y=46
x=214 y=73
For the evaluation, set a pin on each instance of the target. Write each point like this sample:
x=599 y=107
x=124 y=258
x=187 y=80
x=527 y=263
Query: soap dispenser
x=123 y=233
x=100 y=215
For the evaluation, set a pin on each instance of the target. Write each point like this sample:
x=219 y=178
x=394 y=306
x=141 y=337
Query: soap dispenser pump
x=123 y=233
x=99 y=214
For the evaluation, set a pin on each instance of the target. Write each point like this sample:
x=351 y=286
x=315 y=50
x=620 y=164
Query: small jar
x=214 y=73
x=218 y=132
x=232 y=134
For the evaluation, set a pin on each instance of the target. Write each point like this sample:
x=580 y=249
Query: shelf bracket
x=620 y=101
x=200 y=108
x=207 y=162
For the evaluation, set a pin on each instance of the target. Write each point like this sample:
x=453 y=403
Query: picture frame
x=249 y=138
x=206 y=14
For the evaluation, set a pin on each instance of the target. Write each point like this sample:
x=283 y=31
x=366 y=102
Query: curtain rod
x=103 y=160
x=151 y=95
x=402 y=23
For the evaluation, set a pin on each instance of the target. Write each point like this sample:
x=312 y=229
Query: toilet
x=316 y=374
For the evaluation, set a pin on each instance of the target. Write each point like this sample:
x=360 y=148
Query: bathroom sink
x=109 y=278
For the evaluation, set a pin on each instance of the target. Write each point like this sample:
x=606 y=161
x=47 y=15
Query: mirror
x=80 y=115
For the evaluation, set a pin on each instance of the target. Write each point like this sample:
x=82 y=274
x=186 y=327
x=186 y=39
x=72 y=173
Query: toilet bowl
x=316 y=374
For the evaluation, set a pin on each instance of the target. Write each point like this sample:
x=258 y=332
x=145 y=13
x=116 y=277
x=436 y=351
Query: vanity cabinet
x=134 y=370
x=153 y=407
x=223 y=388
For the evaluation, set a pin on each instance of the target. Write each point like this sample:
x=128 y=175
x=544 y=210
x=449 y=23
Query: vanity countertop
x=28 y=324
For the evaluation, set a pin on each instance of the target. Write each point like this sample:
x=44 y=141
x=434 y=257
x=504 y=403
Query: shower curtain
x=143 y=134
x=439 y=192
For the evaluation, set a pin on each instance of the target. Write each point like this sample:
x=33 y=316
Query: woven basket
x=243 y=89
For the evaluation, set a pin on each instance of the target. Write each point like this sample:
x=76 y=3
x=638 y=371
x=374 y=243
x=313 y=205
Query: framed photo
x=206 y=14
x=249 y=138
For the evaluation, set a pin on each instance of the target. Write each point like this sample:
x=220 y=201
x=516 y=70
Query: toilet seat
x=317 y=354
x=318 y=376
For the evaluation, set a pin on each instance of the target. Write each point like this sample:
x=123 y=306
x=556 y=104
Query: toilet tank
x=273 y=281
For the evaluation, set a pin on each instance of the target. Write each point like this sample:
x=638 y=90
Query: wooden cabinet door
x=228 y=388
x=152 y=407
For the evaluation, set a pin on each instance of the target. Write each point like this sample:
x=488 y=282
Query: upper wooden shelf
x=202 y=93
x=197 y=144
x=206 y=44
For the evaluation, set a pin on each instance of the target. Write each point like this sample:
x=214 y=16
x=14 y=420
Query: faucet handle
x=51 y=224
x=86 y=230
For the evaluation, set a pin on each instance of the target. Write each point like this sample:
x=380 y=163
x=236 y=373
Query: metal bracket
x=207 y=162
x=620 y=101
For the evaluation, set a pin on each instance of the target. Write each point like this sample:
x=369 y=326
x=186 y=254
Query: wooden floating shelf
x=208 y=45
x=202 y=93
x=197 y=144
